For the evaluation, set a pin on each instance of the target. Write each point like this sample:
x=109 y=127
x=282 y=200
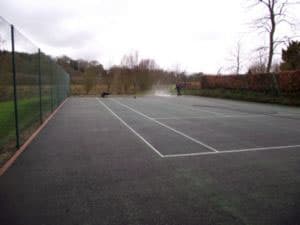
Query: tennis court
x=158 y=160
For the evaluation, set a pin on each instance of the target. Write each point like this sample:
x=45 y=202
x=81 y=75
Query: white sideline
x=233 y=151
x=168 y=127
x=130 y=128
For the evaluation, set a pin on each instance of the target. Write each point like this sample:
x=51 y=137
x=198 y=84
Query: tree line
x=135 y=75
x=132 y=76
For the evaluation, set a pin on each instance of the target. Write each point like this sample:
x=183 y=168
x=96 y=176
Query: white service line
x=233 y=151
x=130 y=128
x=193 y=108
x=208 y=117
x=168 y=127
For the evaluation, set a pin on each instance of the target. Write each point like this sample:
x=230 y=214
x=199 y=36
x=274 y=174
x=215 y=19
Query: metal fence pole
x=57 y=89
x=40 y=86
x=51 y=80
x=15 y=86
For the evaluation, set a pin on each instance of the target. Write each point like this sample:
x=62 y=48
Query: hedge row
x=288 y=81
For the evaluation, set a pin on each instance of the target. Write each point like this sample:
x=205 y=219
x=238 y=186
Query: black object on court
x=103 y=94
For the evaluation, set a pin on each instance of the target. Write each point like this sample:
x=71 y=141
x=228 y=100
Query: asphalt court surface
x=158 y=160
x=209 y=126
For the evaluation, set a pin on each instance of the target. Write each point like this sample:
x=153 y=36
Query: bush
x=288 y=81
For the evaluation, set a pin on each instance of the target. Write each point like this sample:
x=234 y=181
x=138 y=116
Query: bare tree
x=91 y=75
x=144 y=75
x=130 y=61
x=129 y=64
x=116 y=79
x=276 y=13
x=236 y=59
x=259 y=63
x=2 y=42
x=177 y=71
x=107 y=78
x=219 y=71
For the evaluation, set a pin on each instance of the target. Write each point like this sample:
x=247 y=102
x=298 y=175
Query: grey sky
x=196 y=35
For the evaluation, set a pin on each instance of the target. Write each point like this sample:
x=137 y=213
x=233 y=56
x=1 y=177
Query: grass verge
x=29 y=119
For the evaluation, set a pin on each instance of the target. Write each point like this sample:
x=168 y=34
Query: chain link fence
x=32 y=85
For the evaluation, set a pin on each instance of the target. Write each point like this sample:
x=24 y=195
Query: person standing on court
x=178 y=89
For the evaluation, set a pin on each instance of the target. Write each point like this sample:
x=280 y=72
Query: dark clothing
x=178 y=89
x=103 y=94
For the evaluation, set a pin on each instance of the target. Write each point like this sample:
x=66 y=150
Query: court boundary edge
x=23 y=147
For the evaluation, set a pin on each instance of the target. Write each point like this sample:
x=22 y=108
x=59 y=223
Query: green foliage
x=291 y=56
x=26 y=115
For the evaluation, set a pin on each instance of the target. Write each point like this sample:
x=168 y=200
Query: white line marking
x=207 y=117
x=130 y=128
x=192 y=108
x=168 y=127
x=233 y=151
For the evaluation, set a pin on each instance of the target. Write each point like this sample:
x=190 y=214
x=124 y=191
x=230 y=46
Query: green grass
x=29 y=115
x=243 y=95
x=28 y=112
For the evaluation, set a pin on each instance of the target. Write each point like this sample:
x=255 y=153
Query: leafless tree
x=130 y=61
x=275 y=14
x=145 y=73
x=236 y=59
x=219 y=71
x=116 y=79
x=177 y=71
x=2 y=42
x=90 y=78
x=259 y=63
x=129 y=72
x=107 y=78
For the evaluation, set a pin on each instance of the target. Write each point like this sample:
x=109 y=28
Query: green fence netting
x=32 y=85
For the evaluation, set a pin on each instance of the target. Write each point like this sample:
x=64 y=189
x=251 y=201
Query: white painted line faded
x=131 y=129
x=168 y=127
x=193 y=108
x=233 y=151
x=208 y=117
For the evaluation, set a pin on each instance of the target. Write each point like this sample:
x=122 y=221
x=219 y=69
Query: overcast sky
x=197 y=36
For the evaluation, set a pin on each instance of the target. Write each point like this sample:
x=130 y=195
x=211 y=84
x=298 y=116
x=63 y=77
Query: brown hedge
x=287 y=81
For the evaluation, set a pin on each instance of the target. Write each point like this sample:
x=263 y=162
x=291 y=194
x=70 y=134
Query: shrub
x=288 y=82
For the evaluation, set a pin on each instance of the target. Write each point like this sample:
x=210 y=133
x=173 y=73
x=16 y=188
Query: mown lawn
x=29 y=115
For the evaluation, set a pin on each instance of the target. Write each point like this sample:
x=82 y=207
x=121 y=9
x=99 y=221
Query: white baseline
x=233 y=151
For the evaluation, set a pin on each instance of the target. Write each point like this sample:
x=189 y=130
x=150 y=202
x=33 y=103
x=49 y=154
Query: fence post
x=51 y=80
x=57 y=89
x=15 y=85
x=40 y=86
